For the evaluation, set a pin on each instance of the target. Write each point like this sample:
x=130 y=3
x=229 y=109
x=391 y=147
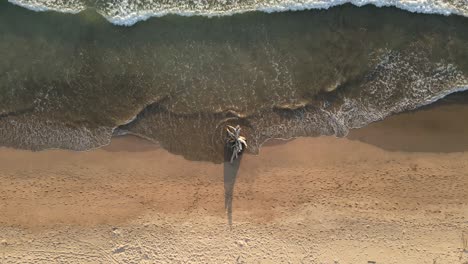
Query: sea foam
x=125 y=13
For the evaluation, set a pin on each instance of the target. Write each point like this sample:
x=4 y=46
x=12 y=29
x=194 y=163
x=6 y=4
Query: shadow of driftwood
x=230 y=174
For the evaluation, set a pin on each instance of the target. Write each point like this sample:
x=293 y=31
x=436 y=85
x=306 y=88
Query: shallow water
x=68 y=81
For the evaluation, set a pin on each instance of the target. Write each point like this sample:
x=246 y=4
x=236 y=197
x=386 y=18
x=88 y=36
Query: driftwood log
x=236 y=142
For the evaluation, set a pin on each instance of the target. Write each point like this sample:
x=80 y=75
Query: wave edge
x=130 y=18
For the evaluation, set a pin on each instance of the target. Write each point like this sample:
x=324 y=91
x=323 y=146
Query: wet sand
x=433 y=129
x=394 y=192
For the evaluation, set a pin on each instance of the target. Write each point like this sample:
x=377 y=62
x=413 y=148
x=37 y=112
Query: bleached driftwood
x=236 y=141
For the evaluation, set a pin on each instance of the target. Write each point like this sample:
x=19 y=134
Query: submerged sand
x=394 y=192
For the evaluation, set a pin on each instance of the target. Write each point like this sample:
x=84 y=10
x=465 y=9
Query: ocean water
x=73 y=81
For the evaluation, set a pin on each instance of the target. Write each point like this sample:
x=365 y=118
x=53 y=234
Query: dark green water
x=67 y=81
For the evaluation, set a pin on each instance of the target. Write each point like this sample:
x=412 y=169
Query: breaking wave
x=127 y=13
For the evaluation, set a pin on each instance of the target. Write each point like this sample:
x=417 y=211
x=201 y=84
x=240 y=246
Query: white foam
x=123 y=13
x=72 y=6
x=415 y=6
x=456 y=89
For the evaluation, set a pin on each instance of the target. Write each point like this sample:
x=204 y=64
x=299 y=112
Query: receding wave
x=70 y=82
x=378 y=95
x=126 y=12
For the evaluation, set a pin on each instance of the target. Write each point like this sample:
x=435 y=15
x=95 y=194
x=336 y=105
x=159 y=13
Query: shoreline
x=312 y=200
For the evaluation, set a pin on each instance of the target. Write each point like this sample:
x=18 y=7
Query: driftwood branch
x=236 y=141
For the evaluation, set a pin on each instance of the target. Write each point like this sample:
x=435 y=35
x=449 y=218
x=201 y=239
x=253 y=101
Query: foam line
x=124 y=14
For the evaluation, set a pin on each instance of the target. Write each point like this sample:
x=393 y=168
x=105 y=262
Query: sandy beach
x=394 y=192
x=119 y=119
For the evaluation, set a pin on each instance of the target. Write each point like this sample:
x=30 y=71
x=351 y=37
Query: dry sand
x=310 y=200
